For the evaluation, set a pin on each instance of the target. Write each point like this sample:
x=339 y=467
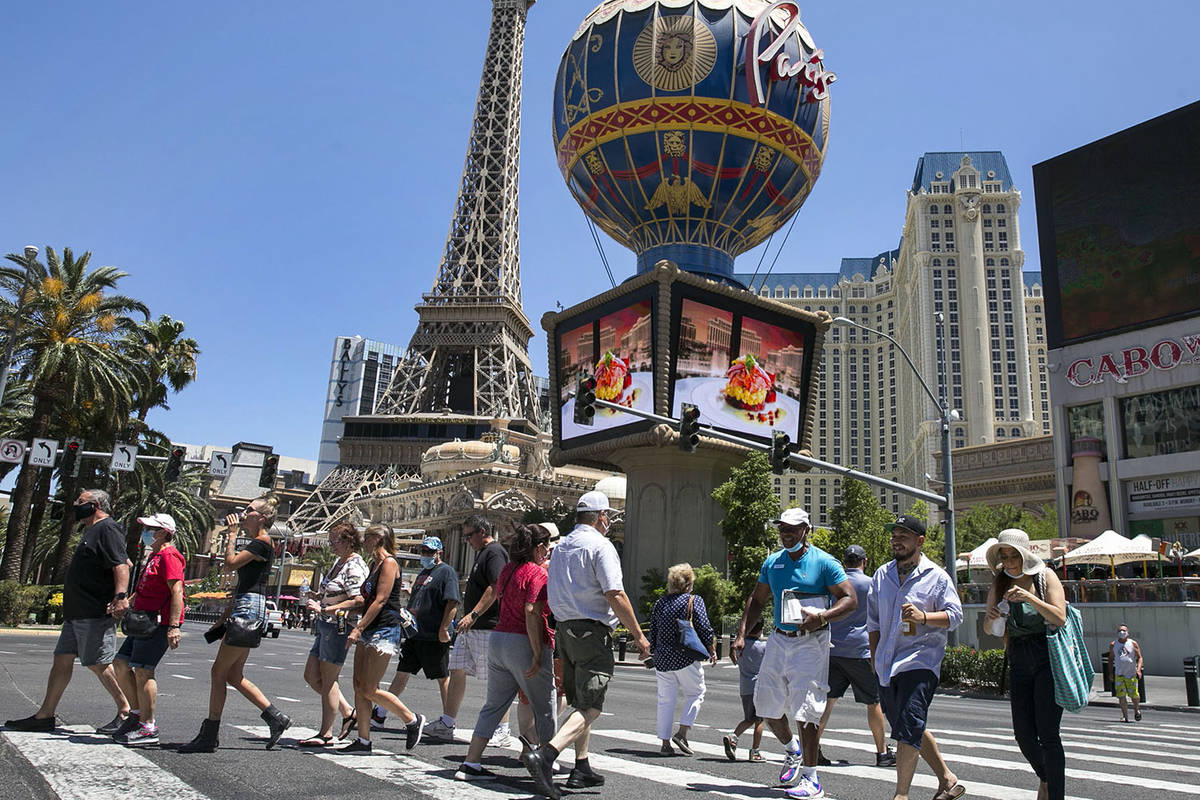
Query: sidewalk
x=1163 y=693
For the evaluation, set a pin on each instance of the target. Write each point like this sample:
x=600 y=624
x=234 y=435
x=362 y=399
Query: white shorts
x=794 y=678
x=470 y=653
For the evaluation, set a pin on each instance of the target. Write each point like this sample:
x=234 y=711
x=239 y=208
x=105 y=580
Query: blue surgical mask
x=428 y=561
x=797 y=547
x=148 y=538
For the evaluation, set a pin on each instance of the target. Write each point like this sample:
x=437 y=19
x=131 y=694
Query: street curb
x=37 y=630
x=1102 y=702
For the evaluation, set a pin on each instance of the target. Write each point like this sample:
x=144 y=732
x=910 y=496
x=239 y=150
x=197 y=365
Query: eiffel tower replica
x=468 y=361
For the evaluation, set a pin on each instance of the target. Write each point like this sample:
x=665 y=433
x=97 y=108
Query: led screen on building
x=1119 y=229
x=616 y=344
x=746 y=369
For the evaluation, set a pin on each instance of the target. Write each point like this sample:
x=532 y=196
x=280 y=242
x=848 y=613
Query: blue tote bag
x=1069 y=660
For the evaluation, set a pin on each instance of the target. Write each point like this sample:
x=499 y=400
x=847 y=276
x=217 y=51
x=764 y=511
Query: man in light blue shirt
x=794 y=676
x=912 y=605
x=850 y=660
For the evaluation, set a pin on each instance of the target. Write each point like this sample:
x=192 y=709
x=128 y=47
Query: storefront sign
x=1133 y=362
x=1167 y=492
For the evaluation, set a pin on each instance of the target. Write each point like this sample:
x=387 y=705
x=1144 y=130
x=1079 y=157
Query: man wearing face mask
x=94 y=598
x=794 y=677
x=1125 y=668
x=158 y=591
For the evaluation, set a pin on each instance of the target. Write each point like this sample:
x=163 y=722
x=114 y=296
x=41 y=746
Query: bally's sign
x=1133 y=362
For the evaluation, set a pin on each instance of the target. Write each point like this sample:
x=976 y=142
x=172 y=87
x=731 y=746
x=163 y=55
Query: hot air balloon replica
x=688 y=131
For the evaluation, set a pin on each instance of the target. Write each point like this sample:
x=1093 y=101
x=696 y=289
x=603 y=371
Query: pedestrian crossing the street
x=1151 y=760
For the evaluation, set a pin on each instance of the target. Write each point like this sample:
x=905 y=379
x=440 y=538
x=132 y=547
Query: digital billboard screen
x=615 y=343
x=1119 y=229
x=747 y=369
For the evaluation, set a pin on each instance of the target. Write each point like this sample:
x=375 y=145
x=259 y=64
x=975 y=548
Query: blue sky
x=279 y=173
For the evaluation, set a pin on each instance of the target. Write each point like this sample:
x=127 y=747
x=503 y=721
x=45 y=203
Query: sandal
x=316 y=741
x=348 y=724
x=951 y=792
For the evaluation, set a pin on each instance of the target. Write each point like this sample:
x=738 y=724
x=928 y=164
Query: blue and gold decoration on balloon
x=690 y=130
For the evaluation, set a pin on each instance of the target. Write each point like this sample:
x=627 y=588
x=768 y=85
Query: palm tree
x=74 y=350
x=144 y=492
x=170 y=362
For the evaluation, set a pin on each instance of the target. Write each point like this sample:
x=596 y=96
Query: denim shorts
x=250 y=606
x=93 y=640
x=329 y=645
x=384 y=639
x=144 y=653
x=906 y=704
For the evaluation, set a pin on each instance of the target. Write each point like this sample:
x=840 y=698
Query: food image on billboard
x=746 y=375
x=617 y=347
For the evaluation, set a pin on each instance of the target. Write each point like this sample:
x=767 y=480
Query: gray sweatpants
x=508 y=658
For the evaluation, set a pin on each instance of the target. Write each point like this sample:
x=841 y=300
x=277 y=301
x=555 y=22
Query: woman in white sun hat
x=1034 y=598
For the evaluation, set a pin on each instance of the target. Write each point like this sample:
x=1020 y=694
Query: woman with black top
x=252 y=563
x=1031 y=597
x=377 y=636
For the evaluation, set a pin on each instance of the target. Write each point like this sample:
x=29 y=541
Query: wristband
x=924 y=618
x=176 y=627
x=120 y=596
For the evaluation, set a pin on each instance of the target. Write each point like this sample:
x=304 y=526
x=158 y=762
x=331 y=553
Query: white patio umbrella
x=1111 y=548
x=1194 y=554
x=977 y=557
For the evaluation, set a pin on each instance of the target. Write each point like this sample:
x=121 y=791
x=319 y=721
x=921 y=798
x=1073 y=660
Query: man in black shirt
x=94 y=598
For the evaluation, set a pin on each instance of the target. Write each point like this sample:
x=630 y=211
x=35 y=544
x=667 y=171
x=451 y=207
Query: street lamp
x=947 y=415
x=30 y=254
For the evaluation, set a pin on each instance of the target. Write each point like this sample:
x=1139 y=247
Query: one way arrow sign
x=124 y=456
x=43 y=452
x=218 y=464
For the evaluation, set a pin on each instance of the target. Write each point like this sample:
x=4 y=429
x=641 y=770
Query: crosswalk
x=1162 y=758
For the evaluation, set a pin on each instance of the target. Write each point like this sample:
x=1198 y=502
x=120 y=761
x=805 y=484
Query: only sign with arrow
x=124 y=457
x=218 y=464
x=42 y=453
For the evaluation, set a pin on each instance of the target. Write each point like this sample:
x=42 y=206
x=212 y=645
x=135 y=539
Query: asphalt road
x=1155 y=758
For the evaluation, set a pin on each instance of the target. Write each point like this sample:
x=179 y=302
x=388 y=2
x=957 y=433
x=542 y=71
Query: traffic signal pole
x=804 y=462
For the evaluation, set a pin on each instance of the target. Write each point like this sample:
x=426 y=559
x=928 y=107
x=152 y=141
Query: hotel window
x=946 y=209
x=987 y=208
x=1000 y=208
x=933 y=209
x=987 y=241
x=1003 y=240
x=793 y=292
x=987 y=223
x=933 y=223
x=779 y=291
x=1001 y=223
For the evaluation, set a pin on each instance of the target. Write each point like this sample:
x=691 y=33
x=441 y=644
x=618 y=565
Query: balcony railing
x=1120 y=590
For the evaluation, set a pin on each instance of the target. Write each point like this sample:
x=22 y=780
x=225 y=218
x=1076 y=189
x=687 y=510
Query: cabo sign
x=1133 y=362
x=809 y=70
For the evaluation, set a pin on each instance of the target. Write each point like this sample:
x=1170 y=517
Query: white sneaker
x=142 y=736
x=439 y=730
x=807 y=789
x=791 y=768
x=501 y=738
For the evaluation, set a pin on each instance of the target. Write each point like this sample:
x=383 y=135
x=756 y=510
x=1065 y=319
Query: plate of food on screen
x=617 y=384
x=747 y=394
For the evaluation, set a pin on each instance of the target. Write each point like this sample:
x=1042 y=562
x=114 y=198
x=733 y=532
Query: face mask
x=1122 y=634
x=428 y=561
x=1011 y=575
x=148 y=538
x=84 y=510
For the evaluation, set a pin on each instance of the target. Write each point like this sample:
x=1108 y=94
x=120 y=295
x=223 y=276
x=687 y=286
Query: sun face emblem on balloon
x=674 y=53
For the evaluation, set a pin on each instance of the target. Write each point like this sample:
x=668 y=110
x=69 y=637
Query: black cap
x=854 y=553
x=908 y=522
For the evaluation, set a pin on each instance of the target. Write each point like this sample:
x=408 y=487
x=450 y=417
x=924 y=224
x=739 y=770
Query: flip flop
x=951 y=792
x=316 y=741
x=348 y=724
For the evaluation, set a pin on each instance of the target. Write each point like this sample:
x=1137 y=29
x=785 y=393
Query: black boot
x=277 y=723
x=206 y=740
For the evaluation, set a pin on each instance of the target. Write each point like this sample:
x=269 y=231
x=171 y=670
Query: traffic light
x=270 y=468
x=70 y=459
x=780 y=442
x=689 y=428
x=174 y=464
x=585 y=401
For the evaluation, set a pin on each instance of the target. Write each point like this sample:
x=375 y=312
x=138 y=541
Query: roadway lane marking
x=77 y=770
x=7 y=652
x=183 y=677
x=1103 y=743
x=268 y=666
x=887 y=775
x=287 y=699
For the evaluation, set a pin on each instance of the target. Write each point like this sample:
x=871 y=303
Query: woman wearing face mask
x=1035 y=599
x=520 y=651
x=377 y=636
x=336 y=610
x=252 y=563
x=159 y=591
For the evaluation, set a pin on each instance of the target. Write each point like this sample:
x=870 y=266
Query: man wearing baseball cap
x=794 y=676
x=433 y=601
x=850 y=660
x=913 y=603
x=587 y=596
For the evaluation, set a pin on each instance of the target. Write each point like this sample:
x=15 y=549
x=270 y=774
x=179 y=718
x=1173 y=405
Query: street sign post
x=42 y=453
x=12 y=450
x=218 y=464
x=124 y=456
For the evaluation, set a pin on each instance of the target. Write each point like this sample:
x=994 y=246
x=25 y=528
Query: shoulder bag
x=141 y=624
x=243 y=632
x=689 y=640
x=1069 y=660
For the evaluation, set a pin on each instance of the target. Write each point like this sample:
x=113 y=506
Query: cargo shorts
x=585 y=647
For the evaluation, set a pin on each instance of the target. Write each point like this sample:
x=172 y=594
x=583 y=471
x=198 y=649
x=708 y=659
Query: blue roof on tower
x=849 y=267
x=930 y=164
x=1030 y=278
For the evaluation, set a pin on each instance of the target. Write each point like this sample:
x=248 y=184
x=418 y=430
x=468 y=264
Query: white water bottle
x=996 y=626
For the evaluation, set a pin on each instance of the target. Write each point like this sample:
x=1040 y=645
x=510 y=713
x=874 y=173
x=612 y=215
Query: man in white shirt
x=587 y=597
x=913 y=603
